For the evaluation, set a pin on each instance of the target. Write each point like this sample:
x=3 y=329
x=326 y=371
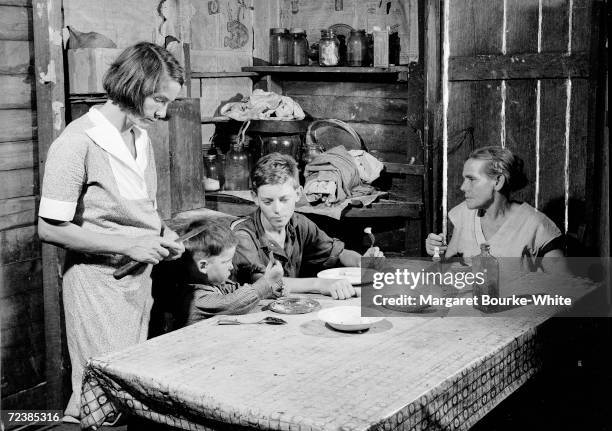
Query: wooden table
x=408 y=373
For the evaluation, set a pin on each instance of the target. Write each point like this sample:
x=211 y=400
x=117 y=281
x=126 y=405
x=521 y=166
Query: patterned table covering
x=405 y=373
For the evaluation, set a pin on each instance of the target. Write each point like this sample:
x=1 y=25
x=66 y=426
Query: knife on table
x=130 y=267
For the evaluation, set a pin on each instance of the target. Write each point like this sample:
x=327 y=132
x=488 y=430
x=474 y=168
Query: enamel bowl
x=347 y=318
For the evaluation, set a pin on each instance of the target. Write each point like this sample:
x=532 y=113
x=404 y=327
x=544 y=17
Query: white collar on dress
x=106 y=136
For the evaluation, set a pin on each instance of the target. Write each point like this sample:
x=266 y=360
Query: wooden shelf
x=209 y=120
x=322 y=69
x=383 y=208
x=243 y=74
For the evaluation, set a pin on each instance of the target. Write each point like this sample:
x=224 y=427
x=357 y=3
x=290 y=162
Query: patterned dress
x=92 y=180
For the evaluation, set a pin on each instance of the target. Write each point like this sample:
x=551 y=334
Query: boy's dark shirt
x=209 y=300
x=305 y=243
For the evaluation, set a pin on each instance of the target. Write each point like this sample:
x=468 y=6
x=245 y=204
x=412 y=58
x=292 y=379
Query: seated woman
x=488 y=215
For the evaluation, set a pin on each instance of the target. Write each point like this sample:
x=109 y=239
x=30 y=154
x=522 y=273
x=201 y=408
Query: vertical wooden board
x=521 y=130
x=475 y=27
x=17 y=212
x=266 y=15
x=582 y=24
x=555 y=25
x=522 y=26
x=16 y=56
x=18 y=183
x=17 y=125
x=19 y=244
x=218 y=92
x=551 y=199
x=186 y=168
x=472 y=105
x=159 y=135
x=580 y=159
x=18 y=155
x=15 y=23
x=19 y=276
x=17 y=92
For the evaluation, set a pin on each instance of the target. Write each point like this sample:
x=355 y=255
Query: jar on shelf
x=298 y=52
x=211 y=174
x=329 y=49
x=236 y=169
x=280 y=43
x=357 y=49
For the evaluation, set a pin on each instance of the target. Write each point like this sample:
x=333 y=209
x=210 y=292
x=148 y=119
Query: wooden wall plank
x=522 y=26
x=20 y=276
x=19 y=244
x=186 y=167
x=555 y=21
x=355 y=109
x=17 y=125
x=582 y=24
x=484 y=20
x=580 y=159
x=551 y=198
x=474 y=105
x=519 y=66
x=18 y=183
x=521 y=130
x=266 y=15
x=17 y=212
x=24 y=3
x=17 y=92
x=18 y=155
x=15 y=23
x=16 y=56
x=159 y=135
x=390 y=138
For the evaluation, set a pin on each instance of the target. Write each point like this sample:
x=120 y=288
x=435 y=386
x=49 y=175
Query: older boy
x=274 y=229
x=208 y=260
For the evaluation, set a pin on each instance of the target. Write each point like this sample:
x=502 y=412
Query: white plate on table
x=350 y=273
x=347 y=318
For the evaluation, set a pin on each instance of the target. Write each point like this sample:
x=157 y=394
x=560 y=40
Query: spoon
x=368 y=231
x=267 y=320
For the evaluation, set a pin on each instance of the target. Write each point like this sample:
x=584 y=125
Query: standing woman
x=98 y=202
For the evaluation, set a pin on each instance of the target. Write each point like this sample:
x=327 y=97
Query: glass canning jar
x=280 y=42
x=357 y=50
x=329 y=49
x=298 y=52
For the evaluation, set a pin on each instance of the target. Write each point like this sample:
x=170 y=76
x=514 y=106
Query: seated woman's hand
x=338 y=289
x=373 y=252
x=150 y=249
x=178 y=250
x=432 y=241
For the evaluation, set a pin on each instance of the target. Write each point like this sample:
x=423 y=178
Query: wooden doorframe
x=50 y=106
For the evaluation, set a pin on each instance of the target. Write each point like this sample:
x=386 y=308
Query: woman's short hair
x=215 y=238
x=502 y=162
x=136 y=74
x=275 y=168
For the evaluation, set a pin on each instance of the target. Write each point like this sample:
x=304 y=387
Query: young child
x=275 y=229
x=208 y=258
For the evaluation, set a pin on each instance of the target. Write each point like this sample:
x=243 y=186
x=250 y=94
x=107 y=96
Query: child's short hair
x=212 y=241
x=136 y=74
x=275 y=168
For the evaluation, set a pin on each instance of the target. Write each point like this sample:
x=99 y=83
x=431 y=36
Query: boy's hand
x=274 y=272
x=338 y=289
x=432 y=241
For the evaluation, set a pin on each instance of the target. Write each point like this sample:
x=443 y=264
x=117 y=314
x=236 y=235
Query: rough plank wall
x=545 y=121
x=21 y=296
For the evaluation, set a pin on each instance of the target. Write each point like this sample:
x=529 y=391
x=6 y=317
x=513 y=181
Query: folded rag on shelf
x=263 y=105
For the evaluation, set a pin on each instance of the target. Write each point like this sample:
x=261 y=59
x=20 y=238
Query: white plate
x=347 y=318
x=350 y=273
